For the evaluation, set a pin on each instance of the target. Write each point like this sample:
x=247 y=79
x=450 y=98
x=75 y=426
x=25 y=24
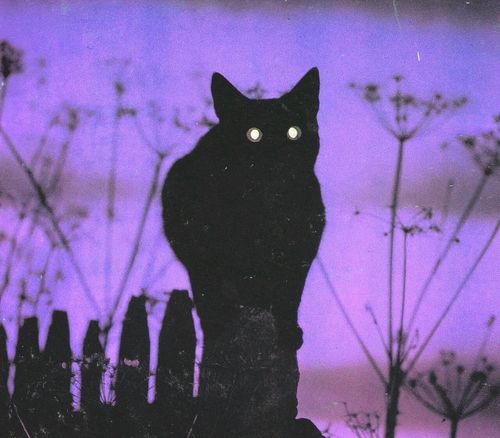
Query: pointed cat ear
x=306 y=93
x=226 y=97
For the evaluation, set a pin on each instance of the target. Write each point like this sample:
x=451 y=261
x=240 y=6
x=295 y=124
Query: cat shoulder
x=194 y=164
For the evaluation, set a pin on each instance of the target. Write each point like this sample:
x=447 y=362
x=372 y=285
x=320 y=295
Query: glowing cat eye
x=254 y=135
x=294 y=133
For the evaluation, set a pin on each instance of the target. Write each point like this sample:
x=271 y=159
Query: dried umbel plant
x=455 y=391
x=11 y=59
x=484 y=148
x=28 y=224
x=363 y=424
x=11 y=63
x=44 y=171
x=405 y=116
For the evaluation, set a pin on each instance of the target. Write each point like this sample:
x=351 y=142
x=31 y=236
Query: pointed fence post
x=28 y=382
x=56 y=411
x=175 y=372
x=92 y=368
x=4 y=376
x=95 y=413
x=132 y=374
x=57 y=358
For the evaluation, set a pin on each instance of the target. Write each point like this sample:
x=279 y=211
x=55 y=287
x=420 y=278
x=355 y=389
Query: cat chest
x=260 y=203
x=268 y=209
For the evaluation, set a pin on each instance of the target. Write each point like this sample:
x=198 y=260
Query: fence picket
x=175 y=372
x=4 y=375
x=92 y=368
x=132 y=373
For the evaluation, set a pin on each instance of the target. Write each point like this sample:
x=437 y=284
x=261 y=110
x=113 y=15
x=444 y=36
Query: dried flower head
x=363 y=424
x=402 y=113
x=484 y=148
x=371 y=93
x=11 y=59
x=452 y=391
x=421 y=222
x=256 y=92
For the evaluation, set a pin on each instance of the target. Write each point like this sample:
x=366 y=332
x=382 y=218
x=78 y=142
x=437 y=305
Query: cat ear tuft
x=226 y=97
x=306 y=92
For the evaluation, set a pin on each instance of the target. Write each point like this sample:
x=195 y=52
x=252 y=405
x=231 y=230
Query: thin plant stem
x=454 y=235
x=433 y=124
x=401 y=335
x=417 y=127
x=447 y=200
x=61 y=162
x=135 y=246
x=41 y=145
x=10 y=258
x=43 y=279
x=428 y=405
x=471 y=384
x=382 y=119
x=469 y=400
x=32 y=165
x=445 y=400
x=349 y=321
x=484 y=343
x=3 y=92
x=459 y=386
x=394 y=208
x=431 y=395
x=397 y=107
x=148 y=283
x=42 y=197
x=110 y=203
x=379 y=330
x=456 y=295
x=479 y=407
x=142 y=133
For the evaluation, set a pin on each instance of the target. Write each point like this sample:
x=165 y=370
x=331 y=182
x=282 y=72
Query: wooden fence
x=42 y=404
x=248 y=384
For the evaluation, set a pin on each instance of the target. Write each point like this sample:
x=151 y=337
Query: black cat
x=243 y=211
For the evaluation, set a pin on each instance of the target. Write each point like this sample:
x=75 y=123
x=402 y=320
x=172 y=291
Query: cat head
x=284 y=127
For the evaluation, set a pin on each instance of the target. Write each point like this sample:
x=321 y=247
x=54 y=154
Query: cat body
x=243 y=211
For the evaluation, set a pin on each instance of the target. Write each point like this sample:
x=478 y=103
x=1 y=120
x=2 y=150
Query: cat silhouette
x=243 y=210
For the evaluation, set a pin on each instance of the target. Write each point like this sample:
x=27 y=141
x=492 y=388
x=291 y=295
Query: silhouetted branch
x=443 y=392
x=370 y=310
x=362 y=424
x=451 y=240
x=153 y=188
x=13 y=242
x=42 y=197
x=111 y=190
x=455 y=296
x=394 y=209
x=348 y=319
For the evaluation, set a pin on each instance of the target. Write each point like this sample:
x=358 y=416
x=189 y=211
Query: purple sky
x=174 y=48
